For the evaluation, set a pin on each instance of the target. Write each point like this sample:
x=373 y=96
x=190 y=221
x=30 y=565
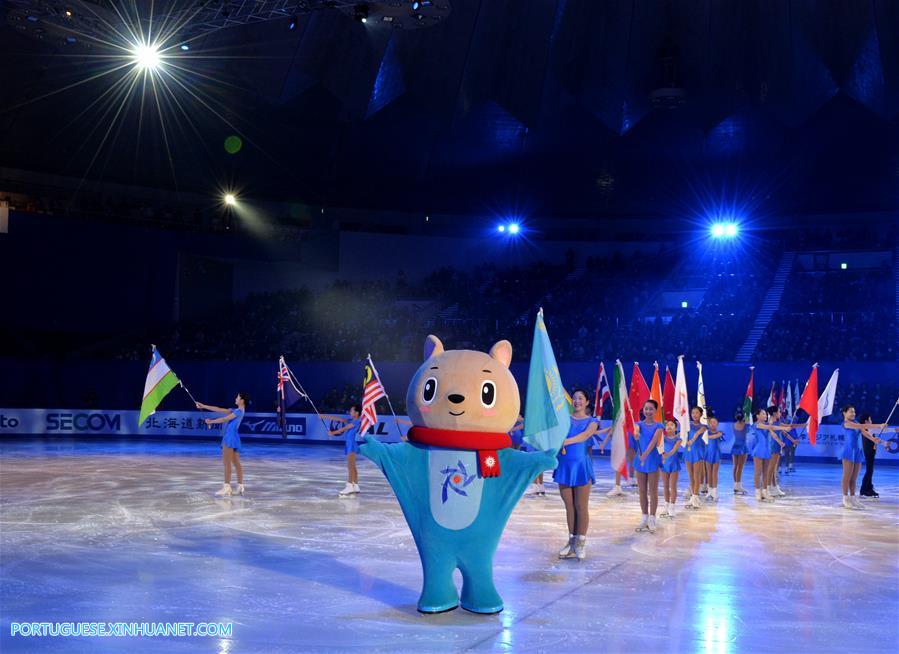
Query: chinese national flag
x=809 y=403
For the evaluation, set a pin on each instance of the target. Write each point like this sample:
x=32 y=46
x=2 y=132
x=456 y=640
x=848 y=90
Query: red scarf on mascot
x=486 y=443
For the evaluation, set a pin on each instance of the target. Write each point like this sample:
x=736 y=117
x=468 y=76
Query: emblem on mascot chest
x=455 y=488
x=456 y=480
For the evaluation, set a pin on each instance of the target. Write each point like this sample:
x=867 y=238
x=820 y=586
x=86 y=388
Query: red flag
x=668 y=395
x=638 y=395
x=772 y=397
x=809 y=403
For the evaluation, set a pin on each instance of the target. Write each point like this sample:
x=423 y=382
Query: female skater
x=350 y=429
x=778 y=445
x=670 y=468
x=852 y=454
x=646 y=462
x=763 y=436
x=739 y=452
x=694 y=456
x=713 y=457
x=574 y=474
x=230 y=440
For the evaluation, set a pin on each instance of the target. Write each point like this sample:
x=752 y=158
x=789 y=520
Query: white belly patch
x=454 y=487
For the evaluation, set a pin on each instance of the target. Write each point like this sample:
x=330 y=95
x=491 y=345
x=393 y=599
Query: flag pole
x=885 y=422
x=387 y=397
x=305 y=394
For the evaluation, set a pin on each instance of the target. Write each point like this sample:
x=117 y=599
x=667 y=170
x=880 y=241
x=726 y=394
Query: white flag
x=789 y=415
x=681 y=402
x=825 y=402
x=700 y=400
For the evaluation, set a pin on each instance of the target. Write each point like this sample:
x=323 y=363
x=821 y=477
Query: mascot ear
x=502 y=352
x=433 y=346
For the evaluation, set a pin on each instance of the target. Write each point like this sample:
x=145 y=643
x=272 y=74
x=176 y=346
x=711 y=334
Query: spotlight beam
x=99 y=98
x=67 y=87
x=219 y=115
x=134 y=37
x=165 y=136
x=115 y=119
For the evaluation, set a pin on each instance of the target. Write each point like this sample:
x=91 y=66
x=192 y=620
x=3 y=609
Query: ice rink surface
x=131 y=532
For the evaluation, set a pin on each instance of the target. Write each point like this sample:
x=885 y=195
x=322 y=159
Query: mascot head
x=464 y=390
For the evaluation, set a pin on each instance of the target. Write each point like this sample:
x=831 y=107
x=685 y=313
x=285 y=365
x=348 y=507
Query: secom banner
x=73 y=422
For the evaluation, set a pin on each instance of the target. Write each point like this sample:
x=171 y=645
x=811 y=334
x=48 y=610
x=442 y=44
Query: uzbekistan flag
x=160 y=381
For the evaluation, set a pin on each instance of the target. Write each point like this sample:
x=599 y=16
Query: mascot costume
x=458 y=479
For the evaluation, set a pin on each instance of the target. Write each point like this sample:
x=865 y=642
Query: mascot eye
x=429 y=390
x=488 y=394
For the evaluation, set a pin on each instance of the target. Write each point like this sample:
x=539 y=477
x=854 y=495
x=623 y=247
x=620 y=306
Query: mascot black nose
x=455 y=398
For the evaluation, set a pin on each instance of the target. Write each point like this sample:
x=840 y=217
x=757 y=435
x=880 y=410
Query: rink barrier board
x=264 y=427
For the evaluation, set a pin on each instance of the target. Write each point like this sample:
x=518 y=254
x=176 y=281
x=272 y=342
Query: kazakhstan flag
x=546 y=414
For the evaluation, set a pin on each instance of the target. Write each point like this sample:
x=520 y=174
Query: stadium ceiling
x=560 y=106
x=86 y=19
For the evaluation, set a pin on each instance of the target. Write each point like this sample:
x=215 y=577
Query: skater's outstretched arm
x=216 y=409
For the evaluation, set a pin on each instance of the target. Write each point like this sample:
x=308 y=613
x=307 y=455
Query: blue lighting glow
x=501 y=229
x=513 y=228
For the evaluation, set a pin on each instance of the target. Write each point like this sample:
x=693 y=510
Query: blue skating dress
x=673 y=462
x=645 y=432
x=713 y=450
x=739 y=446
x=852 y=446
x=575 y=469
x=761 y=448
x=696 y=452
x=231 y=437
x=773 y=445
x=350 y=444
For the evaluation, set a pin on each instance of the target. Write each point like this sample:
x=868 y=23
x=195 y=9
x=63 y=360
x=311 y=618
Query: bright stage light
x=724 y=230
x=146 y=57
x=230 y=200
x=501 y=229
x=513 y=228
